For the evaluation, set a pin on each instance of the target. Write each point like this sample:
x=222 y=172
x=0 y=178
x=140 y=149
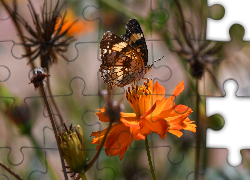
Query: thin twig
x=99 y=149
x=198 y=132
x=215 y=81
x=185 y=33
x=54 y=128
x=10 y=171
x=19 y=30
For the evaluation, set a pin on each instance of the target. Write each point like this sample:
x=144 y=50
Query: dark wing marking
x=121 y=63
x=135 y=38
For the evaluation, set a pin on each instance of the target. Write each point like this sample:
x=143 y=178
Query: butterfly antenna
x=159 y=59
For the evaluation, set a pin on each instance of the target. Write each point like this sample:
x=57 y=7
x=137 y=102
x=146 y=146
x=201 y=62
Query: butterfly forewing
x=124 y=60
x=121 y=64
x=135 y=38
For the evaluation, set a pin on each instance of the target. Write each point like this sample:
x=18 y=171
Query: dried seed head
x=190 y=46
x=39 y=75
x=46 y=39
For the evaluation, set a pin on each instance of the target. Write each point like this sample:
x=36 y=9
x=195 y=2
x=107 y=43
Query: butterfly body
x=124 y=60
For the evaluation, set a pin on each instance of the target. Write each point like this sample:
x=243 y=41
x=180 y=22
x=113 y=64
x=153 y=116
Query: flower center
x=139 y=98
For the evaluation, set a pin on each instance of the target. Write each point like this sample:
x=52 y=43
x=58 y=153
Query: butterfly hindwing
x=124 y=60
x=121 y=64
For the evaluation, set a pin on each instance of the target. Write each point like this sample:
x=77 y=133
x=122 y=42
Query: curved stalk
x=54 y=128
x=99 y=149
x=54 y=103
x=10 y=171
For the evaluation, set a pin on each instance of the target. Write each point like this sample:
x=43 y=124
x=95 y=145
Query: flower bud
x=73 y=148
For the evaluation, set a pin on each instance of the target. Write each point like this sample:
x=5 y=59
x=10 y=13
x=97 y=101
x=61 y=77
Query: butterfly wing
x=121 y=63
x=135 y=38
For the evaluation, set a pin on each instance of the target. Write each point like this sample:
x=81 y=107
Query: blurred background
x=173 y=29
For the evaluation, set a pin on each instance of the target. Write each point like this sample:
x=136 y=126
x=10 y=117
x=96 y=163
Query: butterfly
x=125 y=58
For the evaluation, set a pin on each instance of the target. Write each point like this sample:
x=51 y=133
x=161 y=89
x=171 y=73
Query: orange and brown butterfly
x=124 y=60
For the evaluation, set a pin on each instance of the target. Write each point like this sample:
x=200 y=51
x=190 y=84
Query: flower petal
x=140 y=136
x=118 y=141
x=178 y=89
x=100 y=134
x=189 y=125
x=159 y=126
x=165 y=104
x=159 y=91
x=178 y=133
x=132 y=124
x=79 y=28
x=102 y=116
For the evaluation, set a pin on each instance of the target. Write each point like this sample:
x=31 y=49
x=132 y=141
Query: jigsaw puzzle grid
x=76 y=85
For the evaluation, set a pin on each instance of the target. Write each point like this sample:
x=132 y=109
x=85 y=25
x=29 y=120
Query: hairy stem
x=54 y=128
x=10 y=171
x=53 y=102
x=149 y=159
x=198 y=132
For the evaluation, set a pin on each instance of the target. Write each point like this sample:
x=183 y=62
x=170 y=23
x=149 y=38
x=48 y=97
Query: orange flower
x=78 y=28
x=153 y=113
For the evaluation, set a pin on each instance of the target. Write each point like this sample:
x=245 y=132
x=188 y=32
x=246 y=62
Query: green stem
x=52 y=120
x=149 y=159
x=53 y=102
x=198 y=132
x=40 y=155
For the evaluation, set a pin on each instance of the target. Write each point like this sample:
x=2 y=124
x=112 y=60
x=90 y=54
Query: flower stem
x=40 y=155
x=149 y=159
x=99 y=149
x=53 y=101
x=10 y=171
x=54 y=128
x=198 y=132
